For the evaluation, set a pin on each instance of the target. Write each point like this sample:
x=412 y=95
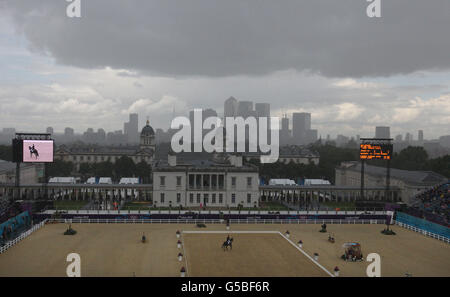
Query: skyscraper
x=206 y=113
x=245 y=109
x=262 y=109
x=301 y=123
x=69 y=133
x=408 y=137
x=311 y=135
x=285 y=133
x=131 y=128
x=230 y=107
x=420 y=135
x=382 y=132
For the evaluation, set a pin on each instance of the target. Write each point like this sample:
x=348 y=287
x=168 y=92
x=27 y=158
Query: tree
x=59 y=168
x=85 y=169
x=144 y=171
x=411 y=158
x=103 y=169
x=124 y=167
x=440 y=165
x=6 y=152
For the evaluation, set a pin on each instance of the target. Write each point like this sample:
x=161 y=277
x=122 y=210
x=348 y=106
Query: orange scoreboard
x=369 y=151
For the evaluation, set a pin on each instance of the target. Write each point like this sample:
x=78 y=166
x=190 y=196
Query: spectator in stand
x=433 y=204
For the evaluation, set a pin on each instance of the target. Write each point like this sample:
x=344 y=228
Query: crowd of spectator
x=434 y=204
x=13 y=220
x=8 y=209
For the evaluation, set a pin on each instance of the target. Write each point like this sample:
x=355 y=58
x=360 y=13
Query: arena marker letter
x=374 y=268
x=74 y=268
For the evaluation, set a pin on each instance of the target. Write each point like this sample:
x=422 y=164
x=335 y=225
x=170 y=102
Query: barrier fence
x=224 y=212
x=215 y=221
x=21 y=236
x=424 y=232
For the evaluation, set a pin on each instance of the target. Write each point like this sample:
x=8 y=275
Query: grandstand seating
x=8 y=209
x=13 y=227
x=433 y=205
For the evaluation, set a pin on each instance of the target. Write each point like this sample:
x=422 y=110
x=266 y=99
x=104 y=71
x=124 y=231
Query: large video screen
x=38 y=151
x=375 y=151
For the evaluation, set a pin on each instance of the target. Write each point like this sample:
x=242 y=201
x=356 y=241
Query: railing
x=424 y=232
x=214 y=221
x=21 y=236
x=225 y=212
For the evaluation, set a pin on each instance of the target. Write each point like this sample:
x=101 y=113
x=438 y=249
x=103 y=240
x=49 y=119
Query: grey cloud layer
x=251 y=37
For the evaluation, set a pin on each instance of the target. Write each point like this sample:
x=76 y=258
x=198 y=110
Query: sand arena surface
x=116 y=250
x=252 y=255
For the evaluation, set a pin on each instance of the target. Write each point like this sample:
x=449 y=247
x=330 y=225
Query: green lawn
x=272 y=205
x=68 y=205
x=74 y=205
x=136 y=206
x=341 y=205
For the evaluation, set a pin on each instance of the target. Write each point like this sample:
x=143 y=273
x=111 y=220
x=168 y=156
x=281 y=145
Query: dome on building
x=147 y=130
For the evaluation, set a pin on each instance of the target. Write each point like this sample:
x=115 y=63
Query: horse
x=144 y=239
x=33 y=151
x=227 y=243
x=331 y=238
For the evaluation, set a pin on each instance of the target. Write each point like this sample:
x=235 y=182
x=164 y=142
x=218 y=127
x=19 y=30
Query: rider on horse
x=228 y=243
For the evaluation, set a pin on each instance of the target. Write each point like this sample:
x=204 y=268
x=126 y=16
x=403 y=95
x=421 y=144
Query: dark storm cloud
x=232 y=37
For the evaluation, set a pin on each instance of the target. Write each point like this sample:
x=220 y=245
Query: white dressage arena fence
x=21 y=236
x=215 y=221
x=424 y=232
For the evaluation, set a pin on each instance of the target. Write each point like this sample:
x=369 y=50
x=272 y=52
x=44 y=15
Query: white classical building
x=229 y=183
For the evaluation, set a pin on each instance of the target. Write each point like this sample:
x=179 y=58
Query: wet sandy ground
x=116 y=250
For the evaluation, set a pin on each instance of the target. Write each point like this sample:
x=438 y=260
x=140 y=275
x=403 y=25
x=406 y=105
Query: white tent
x=62 y=180
x=91 y=180
x=281 y=182
x=129 y=180
x=105 y=180
x=313 y=182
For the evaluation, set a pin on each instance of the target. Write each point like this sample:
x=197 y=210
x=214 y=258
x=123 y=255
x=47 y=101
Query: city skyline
x=288 y=134
x=50 y=78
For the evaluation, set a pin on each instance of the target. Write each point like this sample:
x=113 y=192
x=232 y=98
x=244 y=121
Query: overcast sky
x=325 y=57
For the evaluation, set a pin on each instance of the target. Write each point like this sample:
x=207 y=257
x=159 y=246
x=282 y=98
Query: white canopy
x=281 y=181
